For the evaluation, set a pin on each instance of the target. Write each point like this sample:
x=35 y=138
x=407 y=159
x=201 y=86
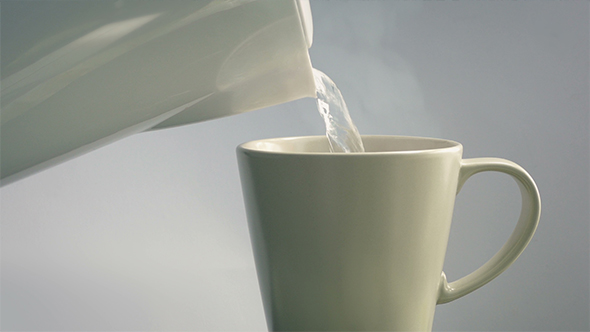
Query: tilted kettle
x=78 y=75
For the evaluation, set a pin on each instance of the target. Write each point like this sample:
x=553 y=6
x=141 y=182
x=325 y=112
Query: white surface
x=149 y=233
x=127 y=64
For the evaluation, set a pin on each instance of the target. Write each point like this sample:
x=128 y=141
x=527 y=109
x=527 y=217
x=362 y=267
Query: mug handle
x=521 y=236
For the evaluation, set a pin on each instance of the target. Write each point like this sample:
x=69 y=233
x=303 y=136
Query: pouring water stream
x=340 y=130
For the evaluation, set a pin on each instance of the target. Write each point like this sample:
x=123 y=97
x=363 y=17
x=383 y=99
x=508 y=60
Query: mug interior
x=372 y=144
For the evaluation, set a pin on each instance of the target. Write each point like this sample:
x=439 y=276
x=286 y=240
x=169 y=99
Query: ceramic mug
x=356 y=241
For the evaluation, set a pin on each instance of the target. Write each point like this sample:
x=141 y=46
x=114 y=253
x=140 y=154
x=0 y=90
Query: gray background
x=149 y=233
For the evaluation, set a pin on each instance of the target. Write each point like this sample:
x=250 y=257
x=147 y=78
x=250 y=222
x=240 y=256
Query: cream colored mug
x=357 y=241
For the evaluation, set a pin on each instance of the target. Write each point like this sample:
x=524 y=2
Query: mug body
x=350 y=241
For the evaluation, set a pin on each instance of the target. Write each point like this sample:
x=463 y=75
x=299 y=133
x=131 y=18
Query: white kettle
x=78 y=75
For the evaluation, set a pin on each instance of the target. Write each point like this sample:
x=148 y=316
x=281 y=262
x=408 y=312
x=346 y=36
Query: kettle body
x=78 y=75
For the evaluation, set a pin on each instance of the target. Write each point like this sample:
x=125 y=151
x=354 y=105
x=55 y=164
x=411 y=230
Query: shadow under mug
x=356 y=241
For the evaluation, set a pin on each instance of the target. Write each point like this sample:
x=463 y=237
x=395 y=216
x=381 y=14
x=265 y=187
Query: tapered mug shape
x=357 y=241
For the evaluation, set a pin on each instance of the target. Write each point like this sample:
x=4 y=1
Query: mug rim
x=438 y=145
